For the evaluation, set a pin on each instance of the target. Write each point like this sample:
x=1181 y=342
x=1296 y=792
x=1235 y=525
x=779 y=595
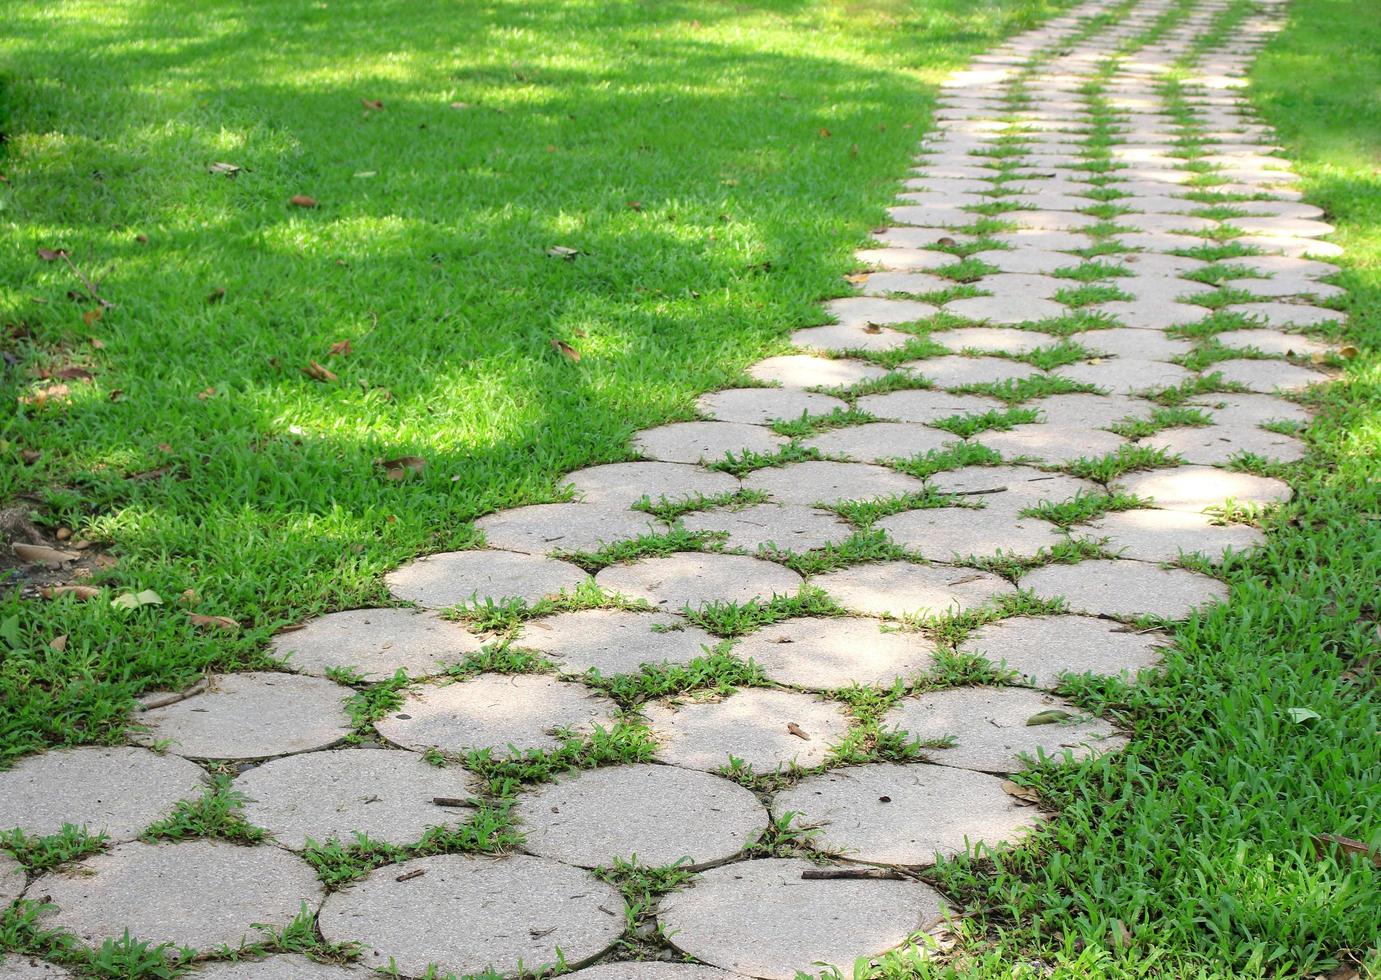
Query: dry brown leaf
x=302 y=201
x=228 y=169
x=563 y=252
x=1349 y=846
x=52 y=254
x=872 y=328
x=1023 y=793
x=96 y=343
x=58 y=643
x=79 y=592
x=402 y=467
x=374 y=104
x=797 y=730
x=116 y=394
x=635 y=205
x=318 y=373
x=567 y=351
x=91 y=316
x=30 y=456
x=857 y=278
x=1347 y=351
x=104 y=561
x=206 y=393
x=189 y=597
x=212 y=622
x=342 y=348
x=825 y=133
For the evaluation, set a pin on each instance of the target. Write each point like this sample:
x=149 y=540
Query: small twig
x=173 y=697
x=416 y=873
x=855 y=874
x=90 y=286
x=449 y=801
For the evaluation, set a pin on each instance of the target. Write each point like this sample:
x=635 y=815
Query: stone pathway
x=1021 y=451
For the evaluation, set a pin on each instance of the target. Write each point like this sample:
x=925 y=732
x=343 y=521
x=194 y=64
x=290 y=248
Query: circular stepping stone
x=828 y=653
x=824 y=482
x=116 y=791
x=387 y=796
x=926 y=405
x=614 y=641
x=913 y=283
x=990 y=730
x=652 y=970
x=1217 y=444
x=1002 y=309
x=772 y=527
x=12 y=879
x=695 y=442
x=1091 y=411
x=954 y=370
x=901 y=588
x=650 y=815
x=457 y=577
x=909 y=815
x=1271 y=342
x=905 y=259
x=1197 y=488
x=837 y=337
x=760 y=405
x=375 y=643
x=542 y=529
x=809 y=371
x=865 y=311
x=469 y=914
x=199 y=893
x=1051 y=443
x=20 y=967
x=1151 y=314
x=753 y=724
x=946 y=533
x=510 y=714
x=255 y=715
x=692 y=579
x=1124 y=342
x=623 y=484
x=285 y=966
x=1286 y=265
x=999 y=340
x=1125 y=375
x=1010 y=489
x=1043 y=648
x=1027 y=261
x=874 y=442
x=1163 y=535
x=1267 y=376
x=1243 y=410
x=762 y=919
x=1125 y=589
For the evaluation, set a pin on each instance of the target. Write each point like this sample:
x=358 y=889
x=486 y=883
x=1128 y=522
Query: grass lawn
x=714 y=165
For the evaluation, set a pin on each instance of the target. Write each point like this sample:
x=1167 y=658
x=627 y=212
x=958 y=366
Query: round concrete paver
x=876 y=442
x=837 y=337
x=17 y=966
x=1123 y=375
x=823 y=482
x=926 y=405
x=387 y=796
x=1218 y=444
x=1091 y=411
x=1043 y=648
x=757 y=406
x=762 y=919
x=375 y=643
x=1267 y=376
x=1271 y=342
x=772 y=527
x=614 y=641
x=1243 y=410
x=954 y=370
x=899 y=588
x=650 y=815
x=623 y=484
x=254 y=715
x=12 y=879
x=1197 y=488
x=470 y=914
x=506 y=713
x=990 y=730
x=285 y=966
x=198 y=893
x=865 y=311
x=809 y=371
x=1124 y=342
x=890 y=814
x=1163 y=535
x=1051 y=443
x=1126 y=589
x=116 y=791
x=1009 y=489
x=653 y=970
x=944 y=533
x=692 y=579
x=766 y=729
x=1005 y=309
x=823 y=654
x=456 y=577
x=546 y=528
x=995 y=340
x=709 y=442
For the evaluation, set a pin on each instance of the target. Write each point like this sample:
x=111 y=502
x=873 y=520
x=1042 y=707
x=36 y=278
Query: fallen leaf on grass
x=1348 y=352
x=228 y=169
x=38 y=554
x=825 y=133
x=91 y=316
x=96 y=343
x=797 y=730
x=1052 y=717
x=858 y=278
x=1301 y=715
x=188 y=597
x=342 y=348
x=214 y=622
x=563 y=252
x=79 y=592
x=402 y=467
x=1350 y=846
x=73 y=374
x=206 y=393
x=302 y=201
x=318 y=373
x=52 y=254
x=1023 y=793
x=133 y=600
x=373 y=104
x=30 y=456
x=216 y=295
x=567 y=351
x=58 y=643
x=43 y=396
x=635 y=205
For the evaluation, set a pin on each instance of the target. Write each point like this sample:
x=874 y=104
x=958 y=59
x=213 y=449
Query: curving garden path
x=1020 y=451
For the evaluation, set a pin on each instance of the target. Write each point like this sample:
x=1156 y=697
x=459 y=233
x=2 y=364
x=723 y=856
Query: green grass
x=428 y=253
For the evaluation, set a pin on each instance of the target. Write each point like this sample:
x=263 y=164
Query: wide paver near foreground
x=1072 y=230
